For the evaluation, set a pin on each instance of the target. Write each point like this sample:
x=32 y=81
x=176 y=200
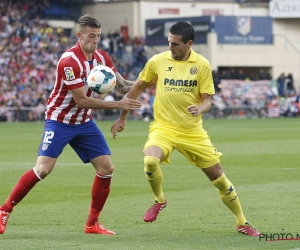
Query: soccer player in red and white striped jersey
x=69 y=120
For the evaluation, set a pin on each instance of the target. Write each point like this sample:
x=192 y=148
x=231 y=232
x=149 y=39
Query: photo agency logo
x=278 y=236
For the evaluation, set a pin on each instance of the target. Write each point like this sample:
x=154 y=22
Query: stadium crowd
x=281 y=98
x=30 y=50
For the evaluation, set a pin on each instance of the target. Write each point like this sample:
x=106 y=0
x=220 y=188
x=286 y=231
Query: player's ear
x=79 y=35
x=190 y=42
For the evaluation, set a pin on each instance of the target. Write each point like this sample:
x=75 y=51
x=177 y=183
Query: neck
x=88 y=56
x=186 y=57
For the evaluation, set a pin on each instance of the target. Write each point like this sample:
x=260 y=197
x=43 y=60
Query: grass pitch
x=260 y=157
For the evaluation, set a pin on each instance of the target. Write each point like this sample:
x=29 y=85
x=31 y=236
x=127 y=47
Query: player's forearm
x=124 y=114
x=92 y=103
x=122 y=85
x=134 y=93
x=204 y=106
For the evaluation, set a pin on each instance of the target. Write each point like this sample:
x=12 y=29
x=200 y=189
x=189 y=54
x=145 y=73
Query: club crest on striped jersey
x=69 y=73
x=193 y=71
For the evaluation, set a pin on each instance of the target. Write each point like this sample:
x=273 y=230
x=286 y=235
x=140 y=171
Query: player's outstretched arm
x=133 y=93
x=84 y=101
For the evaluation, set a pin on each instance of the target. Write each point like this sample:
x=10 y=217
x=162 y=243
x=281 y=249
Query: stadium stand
x=30 y=49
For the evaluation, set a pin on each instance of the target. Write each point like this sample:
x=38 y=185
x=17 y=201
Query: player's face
x=179 y=50
x=89 y=39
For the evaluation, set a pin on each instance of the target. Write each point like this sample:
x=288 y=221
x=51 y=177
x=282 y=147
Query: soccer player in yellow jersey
x=184 y=87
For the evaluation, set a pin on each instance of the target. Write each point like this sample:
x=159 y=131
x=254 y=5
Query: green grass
x=260 y=157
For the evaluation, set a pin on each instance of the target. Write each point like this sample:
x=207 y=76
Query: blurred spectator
x=141 y=55
x=294 y=109
x=152 y=96
x=120 y=45
x=289 y=83
x=217 y=81
x=111 y=45
x=3 y=117
x=232 y=74
x=280 y=84
x=264 y=75
x=284 y=107
x=252 y=77
x=273 y=108
x=145 y=112
x=218 y=103
x=274 y=87
x=261 y=108
x=109 y=98
x=224 y=75
x=131 y=75
x=105 y=43
x=241 y=75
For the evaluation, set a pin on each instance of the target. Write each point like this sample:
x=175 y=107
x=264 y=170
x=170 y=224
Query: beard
x=91 y=49
x=176 y=57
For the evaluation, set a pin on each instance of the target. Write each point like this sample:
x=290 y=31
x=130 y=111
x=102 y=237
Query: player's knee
x=150 y=163
x=107 y=169
x=42 y=171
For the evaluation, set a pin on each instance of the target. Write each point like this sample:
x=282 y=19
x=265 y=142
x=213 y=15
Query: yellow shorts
x=195 y=146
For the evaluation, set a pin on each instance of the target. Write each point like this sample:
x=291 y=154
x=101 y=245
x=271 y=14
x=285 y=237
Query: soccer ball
x=101 y=79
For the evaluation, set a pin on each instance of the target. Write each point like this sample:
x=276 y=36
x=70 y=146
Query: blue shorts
x=86 y=139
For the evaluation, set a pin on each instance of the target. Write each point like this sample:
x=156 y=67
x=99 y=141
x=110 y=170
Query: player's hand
x=118 y=126
x=128 y=104
x=193 y=110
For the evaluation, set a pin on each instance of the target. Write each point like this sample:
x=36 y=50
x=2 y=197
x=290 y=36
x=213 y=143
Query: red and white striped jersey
x=72 y=72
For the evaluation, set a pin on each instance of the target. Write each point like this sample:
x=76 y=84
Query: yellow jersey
x=179 y=85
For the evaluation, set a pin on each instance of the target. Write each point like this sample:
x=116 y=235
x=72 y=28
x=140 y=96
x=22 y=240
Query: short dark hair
x=88 y=20
x=183 y=29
